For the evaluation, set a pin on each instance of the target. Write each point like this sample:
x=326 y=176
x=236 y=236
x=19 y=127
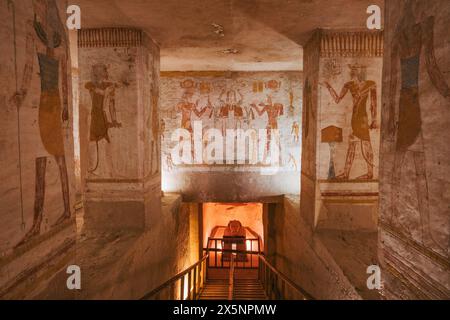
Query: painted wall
x=37 y=193
x=119 y=127
x=414 y=180
x=232 y=100
x=342 y=111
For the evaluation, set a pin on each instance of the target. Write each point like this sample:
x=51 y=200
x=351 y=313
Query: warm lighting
x=248 y=245
x=220 y=214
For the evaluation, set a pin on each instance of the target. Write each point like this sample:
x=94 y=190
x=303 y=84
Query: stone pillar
x=415 y=150
x=342 y=91
x=119 y=127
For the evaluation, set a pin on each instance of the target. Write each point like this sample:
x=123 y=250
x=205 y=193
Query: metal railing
x=277 y=286
x=220 y=251
x=185 y=285
x=231 y=279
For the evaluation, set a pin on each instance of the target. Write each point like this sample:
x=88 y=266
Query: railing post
x=231 y=279
x=172 y=291
x=200 y=275
x=189 y=285
x=195 y=284
x=265 y=280
x=259 y=268
x=251 y=252
x=209 y=256
x=205 y=272
x=182 y=288
x=215 y=253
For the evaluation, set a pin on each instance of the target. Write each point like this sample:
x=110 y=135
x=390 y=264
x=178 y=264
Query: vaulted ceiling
x=228 y=34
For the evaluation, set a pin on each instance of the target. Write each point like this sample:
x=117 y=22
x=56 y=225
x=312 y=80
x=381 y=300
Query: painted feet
x=342 y=176
x=367 y=176
x=65 y=216
x=34 y=231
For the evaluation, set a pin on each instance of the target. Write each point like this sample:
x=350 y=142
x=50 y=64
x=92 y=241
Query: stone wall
x=154 y=256
x=221 y=101
x=341 y=128
x=311 y=61
x=298 y=252
x=119 y=127
x=414 y=181
x=37 y=193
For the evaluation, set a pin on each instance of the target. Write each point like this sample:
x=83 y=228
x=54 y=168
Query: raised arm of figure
x=337 y=97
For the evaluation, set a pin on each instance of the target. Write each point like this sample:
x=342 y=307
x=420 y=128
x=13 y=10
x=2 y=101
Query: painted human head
x=357 y=72
x=99 y=72
x=188 y=94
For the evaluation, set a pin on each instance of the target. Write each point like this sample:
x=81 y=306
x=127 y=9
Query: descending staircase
x=267 y=283
x=214 y=290
x=248 y=290
x=243 y=289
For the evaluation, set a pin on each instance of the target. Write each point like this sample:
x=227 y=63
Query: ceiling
x=247 y=35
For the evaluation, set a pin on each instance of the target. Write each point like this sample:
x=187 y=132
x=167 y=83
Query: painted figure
x=51 y=48
x=102 y=94
x=273 y=111
x=226 y=107
x=291 y=103
x=414 y=36
x=155 y=142
x=169 y=162
x=187 y=107
x=238 y=110
x=361 y=90
x=295 y=131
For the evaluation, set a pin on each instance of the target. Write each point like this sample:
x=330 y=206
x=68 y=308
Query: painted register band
x=231 y=106
x=51 y=50
x=414 y=36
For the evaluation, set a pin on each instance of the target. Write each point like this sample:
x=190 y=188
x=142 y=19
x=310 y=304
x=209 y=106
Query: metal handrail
x=268 y=280
x=217 y=261
x=180 y=276
x=268 y=276
x=230 y=251
x=231 y=279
